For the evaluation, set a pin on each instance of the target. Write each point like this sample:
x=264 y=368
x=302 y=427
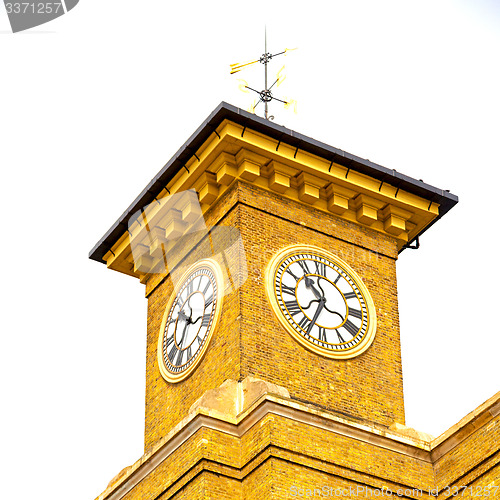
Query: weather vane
x=265 y=95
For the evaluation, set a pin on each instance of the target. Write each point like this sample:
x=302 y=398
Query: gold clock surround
x=215 y=268
x=270 y=280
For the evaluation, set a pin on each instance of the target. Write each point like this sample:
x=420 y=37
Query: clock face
x=321 y=301
x=189 y=320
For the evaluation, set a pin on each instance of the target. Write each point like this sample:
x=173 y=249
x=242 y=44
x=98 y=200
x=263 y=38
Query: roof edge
x=445 y=199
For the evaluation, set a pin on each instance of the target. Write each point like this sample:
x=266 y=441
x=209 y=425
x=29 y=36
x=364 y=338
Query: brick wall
x=250 y=341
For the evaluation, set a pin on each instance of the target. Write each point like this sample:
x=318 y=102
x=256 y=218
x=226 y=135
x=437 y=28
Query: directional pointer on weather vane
x=265 y=95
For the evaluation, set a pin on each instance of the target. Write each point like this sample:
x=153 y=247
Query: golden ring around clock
x=218 y=275
x=340 y=352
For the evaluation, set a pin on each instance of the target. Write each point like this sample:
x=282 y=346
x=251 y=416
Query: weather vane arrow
x=265 y=95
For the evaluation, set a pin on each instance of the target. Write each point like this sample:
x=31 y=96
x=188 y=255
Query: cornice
x=239 y=153
x=278 y=136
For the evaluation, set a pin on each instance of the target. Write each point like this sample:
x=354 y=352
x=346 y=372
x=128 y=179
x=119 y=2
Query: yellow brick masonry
x=249 y=340
x=366 y=387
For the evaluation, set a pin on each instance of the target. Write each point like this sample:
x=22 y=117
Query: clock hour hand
x=309 y=281
x=185 y=317
x=310 y=284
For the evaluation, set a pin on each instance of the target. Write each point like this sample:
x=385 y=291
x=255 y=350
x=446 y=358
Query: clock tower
x=273 y=347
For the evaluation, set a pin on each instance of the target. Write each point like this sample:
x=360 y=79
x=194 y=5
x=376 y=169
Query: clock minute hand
x=188 y=321
x=183 y=335
x=316 y=314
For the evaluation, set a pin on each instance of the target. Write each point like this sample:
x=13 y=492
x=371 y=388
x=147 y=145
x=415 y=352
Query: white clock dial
x=321 y=301
x=189 y=321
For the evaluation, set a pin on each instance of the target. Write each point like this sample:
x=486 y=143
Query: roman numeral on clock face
x=205 y=320
x=206 y=287
x=320 y=268
x=199 y=282
x=178 y=361
x=355 y=313
x=172 y=353
x=322 y=334
x=351 y=328
x=293 y=307
x=303 y=265
x=304 y=322
x=287 y=289
x=289 y=271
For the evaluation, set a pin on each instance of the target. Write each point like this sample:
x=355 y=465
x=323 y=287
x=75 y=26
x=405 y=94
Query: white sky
x=93 y=104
